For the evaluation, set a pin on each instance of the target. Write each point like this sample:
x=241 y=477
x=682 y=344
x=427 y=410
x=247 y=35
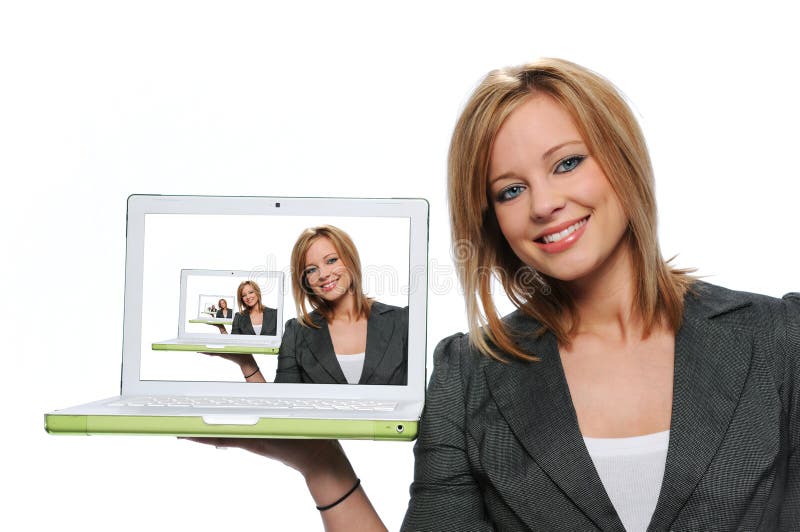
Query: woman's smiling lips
x=561 y=237
x=330 y=285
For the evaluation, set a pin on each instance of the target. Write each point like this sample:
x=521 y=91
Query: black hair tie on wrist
x=248 y=376
x=343 y=497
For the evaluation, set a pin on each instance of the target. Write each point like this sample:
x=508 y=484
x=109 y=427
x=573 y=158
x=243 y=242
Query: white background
x=102 y=99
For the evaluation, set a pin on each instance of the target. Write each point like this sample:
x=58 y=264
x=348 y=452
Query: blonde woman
x=622 y=394
x=340 y=335
x=224 y=311
x=253 y=317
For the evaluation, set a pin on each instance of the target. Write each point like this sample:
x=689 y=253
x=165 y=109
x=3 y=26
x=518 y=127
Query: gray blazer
x=243 y=325
x=306 y=353
x=499 y=445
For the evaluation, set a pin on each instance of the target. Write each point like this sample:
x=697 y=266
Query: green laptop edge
x=212 y=321
x=194 y=426
x=204 y=348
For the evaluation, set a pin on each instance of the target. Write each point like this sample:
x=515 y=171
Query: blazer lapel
x=248 y=324
x=379 y=332
x=321 y=348
x=535 y=402
x=712 y=361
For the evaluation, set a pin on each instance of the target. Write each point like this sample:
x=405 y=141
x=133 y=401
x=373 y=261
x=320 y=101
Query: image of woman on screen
x=253 y=317
x=224 y=311
x=345 y=337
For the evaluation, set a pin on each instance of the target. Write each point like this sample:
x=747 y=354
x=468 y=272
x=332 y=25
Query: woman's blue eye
x=510 y=192
x=569 y=164
x=310 y=271
x=332 y=260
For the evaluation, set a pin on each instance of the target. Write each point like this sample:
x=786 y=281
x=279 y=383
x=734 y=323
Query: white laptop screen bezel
x=274 y=276
x=415 y=210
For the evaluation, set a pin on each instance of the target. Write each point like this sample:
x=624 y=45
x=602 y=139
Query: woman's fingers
x=306 y=456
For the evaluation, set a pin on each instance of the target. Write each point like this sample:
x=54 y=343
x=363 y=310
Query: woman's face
x=325 y=272
x=249 y=296
x=554 y=204
x=224 y=304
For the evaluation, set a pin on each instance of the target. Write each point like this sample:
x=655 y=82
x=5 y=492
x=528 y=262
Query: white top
x=256 y=328
x=352 y=366
x=632 y=470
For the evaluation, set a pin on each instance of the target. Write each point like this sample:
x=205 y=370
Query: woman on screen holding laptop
x=224 y=311
x=623 y=394
x=345 y=337
x=253 y=317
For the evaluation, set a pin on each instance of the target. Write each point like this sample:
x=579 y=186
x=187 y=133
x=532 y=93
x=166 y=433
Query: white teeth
x=555 y=237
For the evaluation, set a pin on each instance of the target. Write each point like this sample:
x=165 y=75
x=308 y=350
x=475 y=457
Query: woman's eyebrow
x=311 y=264
x=507 y=175
x=557 y=147
x=545 y=155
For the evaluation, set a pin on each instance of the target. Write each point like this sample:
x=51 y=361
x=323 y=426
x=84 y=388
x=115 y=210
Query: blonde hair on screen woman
x=244 y=309
x=302 y=292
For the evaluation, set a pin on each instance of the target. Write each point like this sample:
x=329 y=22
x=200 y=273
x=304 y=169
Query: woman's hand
x=246 y=362
x=312 y=458
x=327 y=472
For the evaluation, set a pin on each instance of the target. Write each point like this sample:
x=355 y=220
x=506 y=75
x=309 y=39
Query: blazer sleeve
x=790 y=511
x=444 y=494
x=288 y=368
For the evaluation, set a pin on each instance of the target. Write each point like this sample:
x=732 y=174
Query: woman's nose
x=546 y=200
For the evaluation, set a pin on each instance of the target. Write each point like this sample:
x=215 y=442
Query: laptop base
x=197 y=426
x=210 y=348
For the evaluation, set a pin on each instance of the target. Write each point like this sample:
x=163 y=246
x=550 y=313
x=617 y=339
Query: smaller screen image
x=217 y=299
x=214 y=308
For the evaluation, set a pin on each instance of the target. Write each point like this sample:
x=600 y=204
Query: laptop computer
x=190 y=393
x=205 y=315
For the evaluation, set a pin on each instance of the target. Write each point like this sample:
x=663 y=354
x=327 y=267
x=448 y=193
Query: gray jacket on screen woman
x=306 y=353
x=243 y=325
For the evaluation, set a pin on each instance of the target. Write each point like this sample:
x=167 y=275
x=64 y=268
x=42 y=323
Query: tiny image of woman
x=253 y=317
x=224 y=311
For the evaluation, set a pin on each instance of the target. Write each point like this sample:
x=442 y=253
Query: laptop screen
x=215 y=297
x=203 y=276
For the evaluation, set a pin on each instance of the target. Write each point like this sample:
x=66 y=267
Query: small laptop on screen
x=220 y=282
x=206 y=322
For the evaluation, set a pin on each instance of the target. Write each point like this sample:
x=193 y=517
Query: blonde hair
x=303 y=293
x=614 y=139
x=244 y=308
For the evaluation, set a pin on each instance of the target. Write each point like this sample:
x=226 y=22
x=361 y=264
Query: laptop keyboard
x=258 y=402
